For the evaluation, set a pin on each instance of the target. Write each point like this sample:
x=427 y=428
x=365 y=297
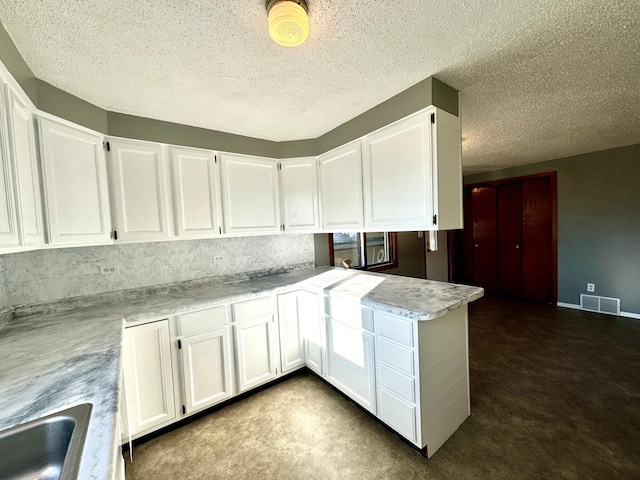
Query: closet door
x=537 y=240
x=510 y=239
x=485 y=258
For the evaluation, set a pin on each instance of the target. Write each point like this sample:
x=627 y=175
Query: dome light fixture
x=288 y=21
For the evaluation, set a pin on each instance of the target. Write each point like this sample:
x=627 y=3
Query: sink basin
x=48 y=448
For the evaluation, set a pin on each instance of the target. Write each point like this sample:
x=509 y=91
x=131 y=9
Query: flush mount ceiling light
x=288 y=21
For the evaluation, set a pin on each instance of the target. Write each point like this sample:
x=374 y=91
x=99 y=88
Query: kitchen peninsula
x=407 y=361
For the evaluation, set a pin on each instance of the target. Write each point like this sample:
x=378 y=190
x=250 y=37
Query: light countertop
x=71 y=354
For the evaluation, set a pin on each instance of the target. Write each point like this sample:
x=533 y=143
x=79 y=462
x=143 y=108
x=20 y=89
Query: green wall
x=598 y=222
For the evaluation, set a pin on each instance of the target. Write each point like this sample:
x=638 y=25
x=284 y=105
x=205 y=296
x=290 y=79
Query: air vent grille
x=594 y=303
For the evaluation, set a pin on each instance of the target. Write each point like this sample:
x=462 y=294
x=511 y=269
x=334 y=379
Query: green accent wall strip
x=130 y=126
x=62 y=104
x=14 y=62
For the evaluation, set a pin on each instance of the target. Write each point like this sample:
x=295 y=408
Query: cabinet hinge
x=184 y=410
x=115 y=234
x=279 y=166
x=282 y=227
x=220 y=230
x=215 y=159
x=433 y=118
x=435 y=219
x=179 y=344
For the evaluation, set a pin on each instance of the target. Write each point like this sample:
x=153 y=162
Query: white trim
x=569 y=305
x=635 y=316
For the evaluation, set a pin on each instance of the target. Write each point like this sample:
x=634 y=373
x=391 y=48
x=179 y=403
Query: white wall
x=45 y=275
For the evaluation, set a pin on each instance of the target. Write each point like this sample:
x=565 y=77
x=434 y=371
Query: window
x=367 y=251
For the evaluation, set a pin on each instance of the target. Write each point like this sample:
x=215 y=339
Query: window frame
x=392 y=241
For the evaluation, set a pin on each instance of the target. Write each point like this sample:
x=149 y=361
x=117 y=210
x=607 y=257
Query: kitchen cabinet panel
x=250 y=194
x=196 y=181
x=75 y=184
x=312 y=330
x=397 y=171
x=25 y=168
x=255 y=343
x=300 y=201
x=9 y=235
x=291 y=345
x=207 y=369
x=148 y=376
x=140 y=190
x=341 y=196
x=350 y=363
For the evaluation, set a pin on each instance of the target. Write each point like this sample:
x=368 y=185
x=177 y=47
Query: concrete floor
x=555 y=394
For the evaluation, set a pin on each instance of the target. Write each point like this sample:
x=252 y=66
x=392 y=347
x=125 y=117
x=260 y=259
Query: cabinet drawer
x=197 y=322
x=252 y=309
x=397 y=382
x=395 y=328
x=398 y=414
x=396 y=356
x=350 y=313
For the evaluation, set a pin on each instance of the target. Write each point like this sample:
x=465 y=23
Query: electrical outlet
x=218 y=258
x=109 y=269
x=591 y=287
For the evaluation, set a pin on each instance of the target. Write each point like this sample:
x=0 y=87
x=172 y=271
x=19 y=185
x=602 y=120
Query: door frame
x=553 y=177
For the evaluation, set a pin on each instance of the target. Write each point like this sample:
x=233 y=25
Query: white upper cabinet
x=196 y=182
x=300 y=202
x=25 y=168
x=8 y=221
x=447 y=170
x=397 y=176
x=140 y=190
x=75 y=184
x=250 y=194
x=341 y=188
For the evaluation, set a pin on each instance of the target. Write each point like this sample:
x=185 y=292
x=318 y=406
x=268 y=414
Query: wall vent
x=593 y=303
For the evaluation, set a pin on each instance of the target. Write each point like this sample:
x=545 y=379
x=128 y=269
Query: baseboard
x=635 y=316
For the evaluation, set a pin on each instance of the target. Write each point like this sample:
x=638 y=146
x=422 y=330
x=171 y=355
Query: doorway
x=509 y=243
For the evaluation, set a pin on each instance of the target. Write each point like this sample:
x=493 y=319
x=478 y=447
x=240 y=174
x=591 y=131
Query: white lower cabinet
x=289 y=323
x=312 y=328
x=207 y=369
x=351 y=363
x=148 y=376
x=423 y=376
x=254 y=342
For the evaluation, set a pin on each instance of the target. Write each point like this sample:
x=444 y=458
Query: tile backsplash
x=45 y=275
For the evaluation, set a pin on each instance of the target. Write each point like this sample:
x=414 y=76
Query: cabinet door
x=75 y=184
x=254 y=352
x=149 y=382
x=25 y=169
x=291 y=347
x=397 y=173
x=351 y=363
x=8 y=220
x=207 y=369
x=139 y=190
x=196 y=182
x=341 y=188
x=250 y=195
x=300 y=202
x=311 y=323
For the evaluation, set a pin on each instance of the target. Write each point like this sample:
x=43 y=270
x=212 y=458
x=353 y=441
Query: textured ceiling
x=538 y=79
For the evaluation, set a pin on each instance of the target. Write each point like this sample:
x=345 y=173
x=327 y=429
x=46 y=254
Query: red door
x=537 y=239
x=485 y=258
x=510 y=239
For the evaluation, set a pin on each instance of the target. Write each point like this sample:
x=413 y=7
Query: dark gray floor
x=555 y=394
